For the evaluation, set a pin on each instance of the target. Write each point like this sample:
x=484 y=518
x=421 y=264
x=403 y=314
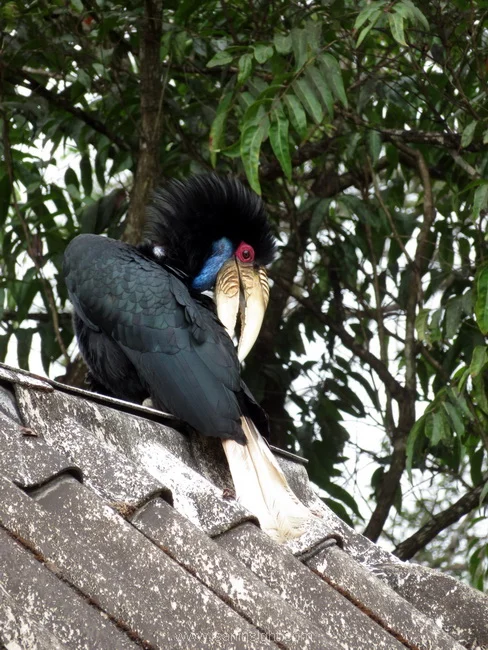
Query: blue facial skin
x=222 y=250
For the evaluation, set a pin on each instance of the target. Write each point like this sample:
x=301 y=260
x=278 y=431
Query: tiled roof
x=115 y=532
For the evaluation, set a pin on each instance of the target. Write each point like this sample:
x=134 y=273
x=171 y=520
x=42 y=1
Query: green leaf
x=24 y=343
x=313 y=31
x=4 y=345
x=320 y=211
x=374 y=145
x=251 y=140
x=476 y=464
x=296 y=114
x=70 y=178
x=484 y=493
x=234 y=151
x=416 y=14
x=396 y=26
x=454 y=312
x=415 y=433
x=369 y=13
x=278 y=137
x=86 y=175
x=220 y=58
x=468 y=134
x=421 y=325
x=343 y=495
x=257 y=111
x=24 y=291
x=318 y=82
x=299 y=44
x=480 y=200
x=283 y=44
x=262 y=53
x=481 y=303
x=217 y=129
x=479 y=392
x=100 y=70
x=373 y=394
x=440 y=427
x=458 y=400
x=333 y=75
x=245 y=68
x=363 y=34
x=463 y=378
x=373 y=18
x=309 y=100
x=57 y=196
x=84 y=78
x=185 y=9
x=338 y=509
x=478 y=360
x=100 y=161
x=455 y=417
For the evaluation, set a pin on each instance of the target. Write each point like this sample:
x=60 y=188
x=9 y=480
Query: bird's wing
x=178 y=348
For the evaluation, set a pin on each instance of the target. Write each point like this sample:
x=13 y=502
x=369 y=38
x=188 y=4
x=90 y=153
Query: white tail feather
x=262 y=488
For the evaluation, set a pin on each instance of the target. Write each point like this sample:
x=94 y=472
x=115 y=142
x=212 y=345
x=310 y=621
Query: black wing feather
x=178 y=349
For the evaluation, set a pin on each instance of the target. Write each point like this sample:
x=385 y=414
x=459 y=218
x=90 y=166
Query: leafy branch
x=48 y=291
x=442 y=520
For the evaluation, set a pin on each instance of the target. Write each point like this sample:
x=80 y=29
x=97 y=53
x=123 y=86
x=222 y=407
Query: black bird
x=146 y=329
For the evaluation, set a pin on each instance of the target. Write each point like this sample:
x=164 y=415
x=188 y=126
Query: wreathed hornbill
x=146 y=329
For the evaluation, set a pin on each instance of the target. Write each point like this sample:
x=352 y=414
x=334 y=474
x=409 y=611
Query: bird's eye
x=245 y=253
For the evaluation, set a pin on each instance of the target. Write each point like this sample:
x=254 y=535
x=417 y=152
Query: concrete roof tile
x=26 y=458
x=51 y=603
x=227 y=577
x=460 y=610
x=200 y=574
x=383 y=604
x=19 y=631
x=107 y=471
x=98 y=552
x=297 y=585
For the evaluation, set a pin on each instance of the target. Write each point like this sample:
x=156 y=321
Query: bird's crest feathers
x=187 y=217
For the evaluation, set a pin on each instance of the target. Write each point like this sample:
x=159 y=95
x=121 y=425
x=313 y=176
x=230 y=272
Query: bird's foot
x=27 y=431
x=228 y=493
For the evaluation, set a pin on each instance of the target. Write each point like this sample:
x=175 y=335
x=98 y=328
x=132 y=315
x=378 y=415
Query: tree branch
x=152 y=90
x=395 y=388
x=406 y=419
x=61 y=102
x=39 y=317
x=389 y=421
x=442 y=520
x=387 y=212
x=434 y=138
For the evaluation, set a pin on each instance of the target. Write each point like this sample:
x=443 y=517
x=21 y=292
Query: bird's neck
x=222 y=250
x=158 y=254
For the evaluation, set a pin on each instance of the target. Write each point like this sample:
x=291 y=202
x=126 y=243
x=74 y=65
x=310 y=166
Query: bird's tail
x=262 y=488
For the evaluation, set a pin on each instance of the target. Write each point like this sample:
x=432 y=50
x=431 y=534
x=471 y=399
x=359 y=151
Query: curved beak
x=242 y=288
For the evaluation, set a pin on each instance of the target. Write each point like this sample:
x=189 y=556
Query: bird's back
x=139 y=326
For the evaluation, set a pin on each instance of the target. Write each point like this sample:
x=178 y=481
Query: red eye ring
x=245 y=253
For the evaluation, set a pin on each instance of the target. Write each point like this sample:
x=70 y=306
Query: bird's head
x=215 y=230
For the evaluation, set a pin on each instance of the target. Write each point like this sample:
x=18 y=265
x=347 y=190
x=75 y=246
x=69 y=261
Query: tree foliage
x=365 y=128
